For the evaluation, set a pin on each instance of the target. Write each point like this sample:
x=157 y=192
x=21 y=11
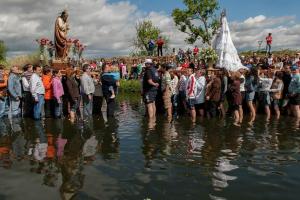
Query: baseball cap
x=294 y=67
x=148 y=61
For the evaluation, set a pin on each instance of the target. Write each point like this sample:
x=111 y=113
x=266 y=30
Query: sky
x=107 y=26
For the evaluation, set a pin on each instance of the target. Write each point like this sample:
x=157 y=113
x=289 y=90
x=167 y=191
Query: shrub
x=130 y=86
x=33 y=59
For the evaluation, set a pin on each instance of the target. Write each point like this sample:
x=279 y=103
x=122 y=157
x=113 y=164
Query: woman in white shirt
x=265 y=83
x=182 y=84
x=200 y=91
x=174 y=90
x=27 y=106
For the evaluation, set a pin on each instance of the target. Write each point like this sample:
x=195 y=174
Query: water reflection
x=130 y=158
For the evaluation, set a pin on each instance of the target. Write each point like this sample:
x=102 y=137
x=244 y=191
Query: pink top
x=58 y=89
x=123 y=69
x=60 y=145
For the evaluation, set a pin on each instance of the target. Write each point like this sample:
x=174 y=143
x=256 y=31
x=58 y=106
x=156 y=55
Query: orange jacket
x=47 y=81
x=51 y=151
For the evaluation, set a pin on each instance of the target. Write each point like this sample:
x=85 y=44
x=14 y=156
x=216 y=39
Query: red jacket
x=196 y=51
x=269 y=39
x=160 y=42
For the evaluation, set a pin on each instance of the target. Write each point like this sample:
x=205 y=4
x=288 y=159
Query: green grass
x=133 y=86
x=4 y=62
x=262 y=53
x=22 y=60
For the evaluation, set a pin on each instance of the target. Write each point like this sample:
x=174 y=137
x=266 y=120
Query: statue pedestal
x=60 y=64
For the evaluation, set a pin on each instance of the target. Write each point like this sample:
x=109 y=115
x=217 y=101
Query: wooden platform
x=60 y=65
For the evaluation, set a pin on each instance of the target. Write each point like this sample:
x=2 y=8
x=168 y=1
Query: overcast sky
x=107 y=26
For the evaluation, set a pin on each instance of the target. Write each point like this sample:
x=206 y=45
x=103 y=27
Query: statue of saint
x=60 y=36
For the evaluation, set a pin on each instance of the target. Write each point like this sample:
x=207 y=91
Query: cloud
x=108 y=28
x=246 y=34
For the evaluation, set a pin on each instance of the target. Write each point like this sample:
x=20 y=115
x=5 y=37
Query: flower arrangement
x=208 y=55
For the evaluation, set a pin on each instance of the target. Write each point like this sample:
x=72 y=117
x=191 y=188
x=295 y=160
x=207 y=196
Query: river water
x=127 y=158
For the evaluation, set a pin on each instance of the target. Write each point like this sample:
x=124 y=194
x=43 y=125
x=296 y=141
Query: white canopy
x=224 y=47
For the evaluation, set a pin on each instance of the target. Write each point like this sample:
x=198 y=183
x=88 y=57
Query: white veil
x=224 y=47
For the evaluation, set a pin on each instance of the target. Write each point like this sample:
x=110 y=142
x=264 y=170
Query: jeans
x=58 y=109
x=97 y=104
x=159 y=50
x=48 y=108
x=27 y=104
x=37 y=108
x=14 y=107
x=110 y=106
x=87 y=106
x=268 y=48
x=3 y=107
x=174 y=104
x=150 y=52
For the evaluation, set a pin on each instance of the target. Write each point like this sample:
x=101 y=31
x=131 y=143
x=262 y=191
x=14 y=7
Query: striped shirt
x=191 y=87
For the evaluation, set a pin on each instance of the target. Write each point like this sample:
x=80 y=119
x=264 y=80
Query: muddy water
x=127 y=158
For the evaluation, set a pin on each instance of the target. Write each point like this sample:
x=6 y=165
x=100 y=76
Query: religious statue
x=60 y=36
x=228 y=57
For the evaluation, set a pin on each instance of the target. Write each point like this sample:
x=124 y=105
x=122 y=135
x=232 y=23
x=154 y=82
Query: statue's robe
x=60 y=38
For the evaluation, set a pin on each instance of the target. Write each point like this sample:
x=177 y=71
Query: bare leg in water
x=252 y=111
x=193 y=114
x=268 y=112
x=277 y=111
x=241 y=114
x=236 y=117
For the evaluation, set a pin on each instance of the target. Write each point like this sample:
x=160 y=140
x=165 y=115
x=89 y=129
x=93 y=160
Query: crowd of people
x=41 y=92
x=270 y=83
x=196 y=91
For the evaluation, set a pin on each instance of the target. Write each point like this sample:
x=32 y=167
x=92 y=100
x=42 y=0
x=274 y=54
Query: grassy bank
x=22 y=60
x=283 y=52
x=132 y=86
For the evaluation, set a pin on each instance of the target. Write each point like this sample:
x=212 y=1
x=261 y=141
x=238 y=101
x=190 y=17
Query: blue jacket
x=108 y=81
x=14 y=86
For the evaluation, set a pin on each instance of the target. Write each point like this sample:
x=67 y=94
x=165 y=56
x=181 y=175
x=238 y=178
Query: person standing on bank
x=160 y=42
x=37 y=90
x=27 y=103
x=87 y=90
x=14 y=91
x=150 y=87
x=269 y=41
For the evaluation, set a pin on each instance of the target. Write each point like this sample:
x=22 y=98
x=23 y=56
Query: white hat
x=148 y=61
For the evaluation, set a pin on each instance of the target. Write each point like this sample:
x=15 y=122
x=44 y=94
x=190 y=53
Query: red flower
x=75 y=41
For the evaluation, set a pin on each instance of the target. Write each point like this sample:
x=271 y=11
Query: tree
x=3 y=50
x=146 y=31
x=198 y=20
